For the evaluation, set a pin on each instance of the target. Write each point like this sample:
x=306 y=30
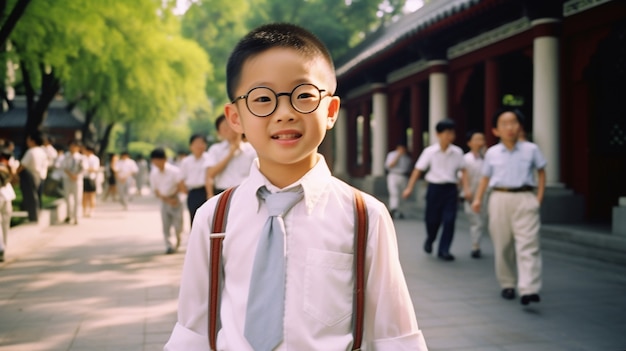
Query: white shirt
x=92 y=165
x=474 y=168
x=319 y=272
x=75 y=164
x=403 y=166
x=7 y=192
x=193 y=170
x=238 y=167
x=125 y=168
x=36 y=161
x=166 y=181
x=441 y=166
x=513 y=168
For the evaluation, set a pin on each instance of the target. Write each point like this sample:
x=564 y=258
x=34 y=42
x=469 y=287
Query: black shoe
x=1 y=256
x=446 y=257
x=169 y=251
x=428 y=246
x=67 y=220
x=476 y=253
x=508 y=294
x=526 y=299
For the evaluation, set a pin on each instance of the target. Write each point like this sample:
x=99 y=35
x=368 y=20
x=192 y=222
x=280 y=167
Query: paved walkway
x=105 y=284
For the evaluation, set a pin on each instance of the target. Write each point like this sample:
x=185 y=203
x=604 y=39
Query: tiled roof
x=58 y=117
x=407 y=26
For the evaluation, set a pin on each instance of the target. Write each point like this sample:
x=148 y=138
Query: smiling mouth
x=286 y=136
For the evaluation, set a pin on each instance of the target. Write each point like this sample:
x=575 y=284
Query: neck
x=444 y=146
x=509 y=144
x=283 y=175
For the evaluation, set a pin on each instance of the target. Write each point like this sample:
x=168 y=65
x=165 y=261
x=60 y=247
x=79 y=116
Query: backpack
x=216 y=273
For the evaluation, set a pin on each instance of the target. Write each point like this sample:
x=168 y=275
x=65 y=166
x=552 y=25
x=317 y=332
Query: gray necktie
x=266 y=297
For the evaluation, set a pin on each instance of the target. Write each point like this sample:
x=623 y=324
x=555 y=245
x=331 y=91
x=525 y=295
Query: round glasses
x=263 y=101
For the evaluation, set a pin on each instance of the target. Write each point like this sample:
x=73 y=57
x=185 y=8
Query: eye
x=305 y=95
x=262 y=99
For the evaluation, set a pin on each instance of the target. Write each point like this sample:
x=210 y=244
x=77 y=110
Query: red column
x=492 y=96
x=416 y=118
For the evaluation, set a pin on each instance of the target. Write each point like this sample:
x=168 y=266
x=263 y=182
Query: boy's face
x=508 y=127
x=476 y=142
x=226 y=132
x=197 y=146
x=447 y=136
x=159 y=163
x=285 y=137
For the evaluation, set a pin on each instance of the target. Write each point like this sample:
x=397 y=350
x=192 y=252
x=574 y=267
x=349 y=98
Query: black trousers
x=30 y=185
x=441 y=207
x=195 y=199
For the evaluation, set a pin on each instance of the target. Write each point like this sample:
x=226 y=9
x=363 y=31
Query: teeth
x=286 y=136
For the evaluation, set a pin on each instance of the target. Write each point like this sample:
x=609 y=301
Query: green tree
x=119 y=61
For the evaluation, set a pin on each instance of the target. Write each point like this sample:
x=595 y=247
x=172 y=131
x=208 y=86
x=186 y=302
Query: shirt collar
x=515 y=147
x=313 y=183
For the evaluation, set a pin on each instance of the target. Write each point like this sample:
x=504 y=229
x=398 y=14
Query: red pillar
x=492 y=96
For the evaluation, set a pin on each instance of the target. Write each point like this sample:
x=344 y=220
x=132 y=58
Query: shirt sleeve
x=487 y=170
x=190 y=332
x=390 y=323
x=211 y=156
x=423 y=162
x=538 y=159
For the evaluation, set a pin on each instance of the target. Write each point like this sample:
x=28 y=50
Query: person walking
x=398 y=165
x=193 y=171
x=92 y=167
x=7 y=195
x=141 y=177
x=125 y=170
x=228 y=162
x=111 y=178
x=164 y=182
x=513 y=207
x=440 y=162
x=474 y=165
x=33 y=170
x=73 y=166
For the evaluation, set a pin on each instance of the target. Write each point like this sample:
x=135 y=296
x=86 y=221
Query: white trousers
x=6 y=208
x=171 y=217
x=395 y=185
x=477 y=222
x=514 y=228
x=73 y=193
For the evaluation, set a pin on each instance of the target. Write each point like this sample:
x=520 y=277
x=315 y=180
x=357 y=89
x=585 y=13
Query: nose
x=284 y=110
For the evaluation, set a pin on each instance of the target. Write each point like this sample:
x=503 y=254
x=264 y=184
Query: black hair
x=5 y=153
x=496 y=116
x=471 y=133
x=221 y=118
x=196 y=136
x=158 y=153
x=270 y=36
x=443 y=125
x=36 y=138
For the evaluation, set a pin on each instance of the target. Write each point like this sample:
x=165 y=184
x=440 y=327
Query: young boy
x=73 y=168
x=441 y=162
x=192 y=171
x=474 y=166
x=398 y=164
x=164 y=180
x=7 y=195
x=228 y=162
x=513 y=206
x=281 y=81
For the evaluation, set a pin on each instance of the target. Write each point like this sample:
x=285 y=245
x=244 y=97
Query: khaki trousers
x=514 y=229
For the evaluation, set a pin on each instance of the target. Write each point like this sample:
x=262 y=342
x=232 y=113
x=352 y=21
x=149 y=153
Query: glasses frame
x=277 y=95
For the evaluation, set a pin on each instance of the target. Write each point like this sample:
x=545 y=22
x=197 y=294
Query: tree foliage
x=119 y=61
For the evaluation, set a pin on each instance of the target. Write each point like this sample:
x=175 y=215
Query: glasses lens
x=305 y=98
x=261 y=101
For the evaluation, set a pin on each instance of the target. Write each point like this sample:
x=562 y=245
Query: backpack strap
x=360 y=245
x=215 y=269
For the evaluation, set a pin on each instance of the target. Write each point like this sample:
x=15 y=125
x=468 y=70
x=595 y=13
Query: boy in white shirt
x=281 y=80
x=474 y=160
x=74 y=167
x=7 y=195
x=164 y=180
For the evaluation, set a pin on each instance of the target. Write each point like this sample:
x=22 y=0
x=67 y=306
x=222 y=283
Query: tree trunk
x=88 y=135
x=14 y=16
x=36 y=110
x=104 y=142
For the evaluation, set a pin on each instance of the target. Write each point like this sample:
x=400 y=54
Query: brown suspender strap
x=360 y=245
x=218 y=226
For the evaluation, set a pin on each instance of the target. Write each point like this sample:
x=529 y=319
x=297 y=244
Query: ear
x=495 y=132
x=333 y=111
x=231 y=112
